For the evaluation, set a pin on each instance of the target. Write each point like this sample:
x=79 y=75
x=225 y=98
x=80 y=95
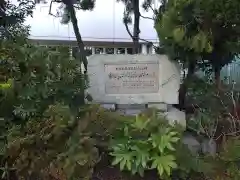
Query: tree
x=84 y=5
x=132 y=7
x=12 y=15
x=69 y=14
x=200 y=32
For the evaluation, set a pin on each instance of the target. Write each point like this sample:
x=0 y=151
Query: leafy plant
x=40 y=77
x=146 y=142
x=61 y=145
x=216 y=112
x=225 y=165
x=216 y=118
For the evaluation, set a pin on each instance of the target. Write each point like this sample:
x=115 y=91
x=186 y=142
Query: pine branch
x=128 y=30
x=131 y=35
x=147 y=17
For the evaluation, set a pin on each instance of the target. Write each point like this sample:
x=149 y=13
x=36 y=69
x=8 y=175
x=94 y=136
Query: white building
x=102 y=29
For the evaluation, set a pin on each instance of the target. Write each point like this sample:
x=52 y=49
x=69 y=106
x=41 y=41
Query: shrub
x=217 y=112
x=32 y=80
x=61 y=145
x=216 y=118
x=39 y=77
x=146 y=143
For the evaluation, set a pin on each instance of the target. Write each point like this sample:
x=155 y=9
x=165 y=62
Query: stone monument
x=130 y=83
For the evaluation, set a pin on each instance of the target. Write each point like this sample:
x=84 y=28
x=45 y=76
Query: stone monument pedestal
x=132 y=83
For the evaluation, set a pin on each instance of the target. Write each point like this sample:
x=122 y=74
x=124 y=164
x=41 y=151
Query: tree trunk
x=217 y=73
x=136 y=30
x=184 y=85
x=83 y=58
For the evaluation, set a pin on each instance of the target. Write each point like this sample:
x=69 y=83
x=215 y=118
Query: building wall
x=99 y=48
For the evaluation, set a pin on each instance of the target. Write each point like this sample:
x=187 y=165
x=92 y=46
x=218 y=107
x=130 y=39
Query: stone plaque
x=132 y=78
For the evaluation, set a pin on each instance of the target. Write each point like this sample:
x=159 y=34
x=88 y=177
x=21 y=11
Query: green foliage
x=146 y=143
x=216 y=112
x=13 y=15
x=173 y=28
x=226 y=162
x=32 y=79
x=207 y=29
x=80 y=4
x=40 y=77
x=215 y=119
x=61 y=145
x=190 y=163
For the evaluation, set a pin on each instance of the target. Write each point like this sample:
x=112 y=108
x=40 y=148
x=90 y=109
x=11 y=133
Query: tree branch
x=146 y=17
x=151 y=43
x=128 y=30
x=50 y=9
x=130 y=34
x=152 y=9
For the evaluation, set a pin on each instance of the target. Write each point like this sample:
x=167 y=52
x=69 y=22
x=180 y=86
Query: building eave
x=95 y=43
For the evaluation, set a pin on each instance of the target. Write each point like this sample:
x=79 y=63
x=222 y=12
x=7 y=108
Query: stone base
x=172 y=114
x=159 y=106
x=130 y=109
x=176 y=116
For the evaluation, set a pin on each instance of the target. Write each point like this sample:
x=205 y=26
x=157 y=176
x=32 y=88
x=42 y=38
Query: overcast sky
x=103 y=23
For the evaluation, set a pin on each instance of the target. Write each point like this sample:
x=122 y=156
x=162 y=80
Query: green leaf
x=167 y=170
x=141 y=172
x=160 y=170
x=178 y=34
x=134 y=169
x=172 y=133
x=122 y=164
x=170 y=147
x=172 y=164
x=117 y=160
x=125 y=131
x=164 y=164
x=175 y=139
x=129 y=165
x=141 y=122
x=209 y=47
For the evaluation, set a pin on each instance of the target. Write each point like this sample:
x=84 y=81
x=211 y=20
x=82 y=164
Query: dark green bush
x=60 y=142
x=216 y=118
x=39 y=77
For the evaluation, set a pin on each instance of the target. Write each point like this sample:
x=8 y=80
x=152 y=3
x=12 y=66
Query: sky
x=104 y=23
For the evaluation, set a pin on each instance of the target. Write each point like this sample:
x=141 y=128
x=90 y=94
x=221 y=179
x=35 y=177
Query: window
x=121 y=51
x=88 y=51
x=98 y=50
x=109 y=50
x=129 y=50
x=149 y=49
x=140 y=49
